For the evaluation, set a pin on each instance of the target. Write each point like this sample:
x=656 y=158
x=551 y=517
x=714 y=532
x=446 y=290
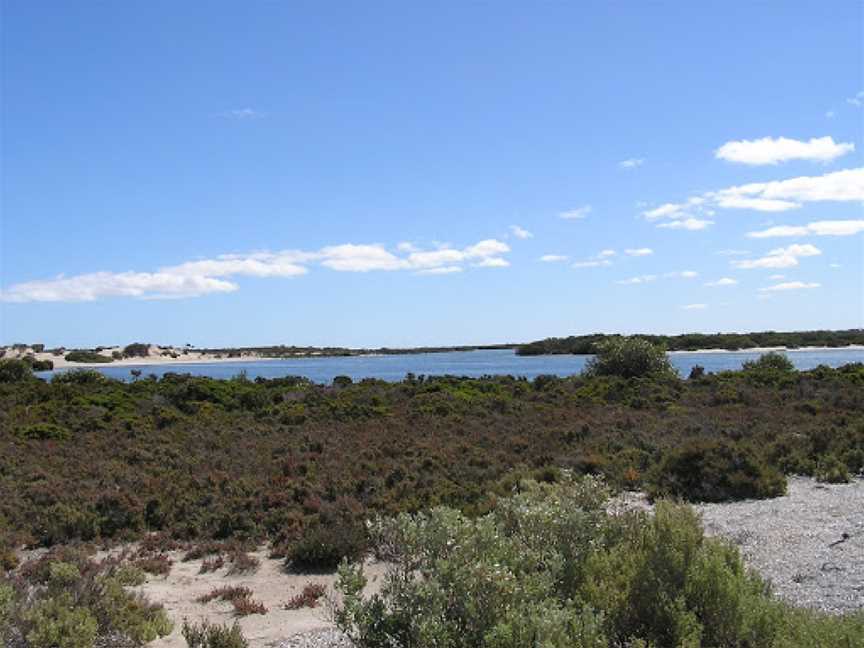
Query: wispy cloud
x=779 y=258
x=725 y=281
x=634 y=281
x=631 y=163
x=771 y=150
x=683 y=274
x=241 y=113
x=691 y=224
x=830 y=114
x=857 y=100
x=576 y=214
x=694 y=307
x=638 y=252
x=201 y=277
x=592 y=263
x=790 y=285
x=817 y=228
x=553 y=258
x=774 y=196
x=520 y=232
x=732 y=252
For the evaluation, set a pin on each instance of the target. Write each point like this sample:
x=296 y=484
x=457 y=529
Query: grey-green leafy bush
x=65 y=600
x=551 y=567
x=629 y=357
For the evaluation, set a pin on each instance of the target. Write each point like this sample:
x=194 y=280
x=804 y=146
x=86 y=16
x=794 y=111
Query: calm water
x=462 y=363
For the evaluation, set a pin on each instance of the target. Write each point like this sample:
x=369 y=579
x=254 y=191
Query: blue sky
x=387 y=173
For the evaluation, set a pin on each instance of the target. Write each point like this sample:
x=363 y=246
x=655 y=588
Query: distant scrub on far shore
x=587 y=344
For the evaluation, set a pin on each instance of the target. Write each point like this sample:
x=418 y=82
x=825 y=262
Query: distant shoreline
x=61 y=364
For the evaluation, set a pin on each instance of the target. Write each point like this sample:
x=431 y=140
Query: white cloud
x=692 y=224
x=360 y=258
x=631 y=163
x=201 y=277
x=492 y=262
x=684 y=274
x=592 y=263
x=641 y=279
x=770 y=150
x=520 y=233
x=857 y=100
x=732 y=252
x=576 y=214
x=777 y=277
x=638 y=252
x=779 y=258
x=407 y=246
x=725 y=281
x=834 y=265
x=790 y=285
x=553 y=258
x=829 y=114
x=817 y=228
x=603 y=254
x=774 y=196
x=694 y=307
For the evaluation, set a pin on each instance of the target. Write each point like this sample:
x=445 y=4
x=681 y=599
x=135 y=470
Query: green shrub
x=87 y=356
x=714 y=471
x=771 y=361
x=136 y=350
x=629 y=358
x=57 y=623
x=831 y=470
x=550 y=567
x=204 y=635
x=13 y=371
x=44 y=432
x=325 y=545
x=7 y=605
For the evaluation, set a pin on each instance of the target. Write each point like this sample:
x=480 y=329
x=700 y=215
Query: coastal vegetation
x=302 y=465
x=588 y=344
x=551 y=566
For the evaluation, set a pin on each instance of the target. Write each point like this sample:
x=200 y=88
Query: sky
x=400 y=174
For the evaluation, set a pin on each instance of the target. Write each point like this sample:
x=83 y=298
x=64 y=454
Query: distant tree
x=342 y=381
x=38 y=348
x=136 y=350
x=136 y=374
x=629 y=357
x=772 y=361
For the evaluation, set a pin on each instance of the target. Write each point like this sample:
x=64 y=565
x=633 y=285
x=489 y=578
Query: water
x=460 y=363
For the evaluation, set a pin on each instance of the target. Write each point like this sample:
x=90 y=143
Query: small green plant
x=14 y=371
x=831 y=470
x=90 y=357
x=325 y=545
x=205 y=635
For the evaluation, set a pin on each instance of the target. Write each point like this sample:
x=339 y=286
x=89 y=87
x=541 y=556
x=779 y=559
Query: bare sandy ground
x=271 y=585
x=156 y=356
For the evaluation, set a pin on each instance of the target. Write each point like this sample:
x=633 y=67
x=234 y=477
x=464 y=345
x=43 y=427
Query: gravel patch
x=809 y=543
x=320 y=639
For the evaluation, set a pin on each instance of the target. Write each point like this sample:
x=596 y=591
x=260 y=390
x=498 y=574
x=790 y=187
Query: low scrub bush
x=205 y=635
x=87 y=356
x=13 y=371
x=550 y=567
x=64 y=600
x=325 y=545
x=307 y=598
x=715 y=471
x=832 y=471
x=629 y=358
